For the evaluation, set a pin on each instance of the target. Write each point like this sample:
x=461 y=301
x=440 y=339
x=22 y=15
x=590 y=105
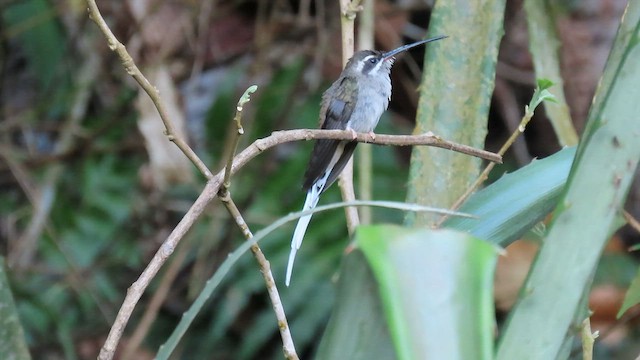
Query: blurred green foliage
x=105 y=224
x=33 y=24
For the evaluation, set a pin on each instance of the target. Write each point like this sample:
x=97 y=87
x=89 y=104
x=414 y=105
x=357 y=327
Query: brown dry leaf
x=511 y=271
x=162 y=26
x=605 y=301
x=168 y=164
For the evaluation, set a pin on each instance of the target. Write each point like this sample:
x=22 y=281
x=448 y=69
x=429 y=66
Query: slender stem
x=588 y=339
x=485 y=173
x=236 y=136
x=154 y=305
x=633 y=222
x=364 y=152
x=265 y=268
x=348 y=11
x=544 y=45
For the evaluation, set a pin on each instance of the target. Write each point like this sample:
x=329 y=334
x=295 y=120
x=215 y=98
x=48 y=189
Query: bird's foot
x=354 y=134
x=372 y=136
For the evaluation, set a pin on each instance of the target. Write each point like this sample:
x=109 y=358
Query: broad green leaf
x=357 y=329
x=436 y=288
x=605 y=164
x=511 y=206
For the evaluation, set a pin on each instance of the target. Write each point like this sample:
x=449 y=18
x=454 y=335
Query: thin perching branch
x=426 y=139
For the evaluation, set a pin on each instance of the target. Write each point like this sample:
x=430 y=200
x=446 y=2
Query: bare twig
x=528 y=115
x=152 y=91
x=265 y=268
x=365 y=156
x=633 y=222
x=507 y=105
x=160 y=295
x=206 y=8
x=588 y=338
x=348 y=12
x=236 y=137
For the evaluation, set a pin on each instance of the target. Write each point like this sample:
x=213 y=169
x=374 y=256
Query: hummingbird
x=354 y=102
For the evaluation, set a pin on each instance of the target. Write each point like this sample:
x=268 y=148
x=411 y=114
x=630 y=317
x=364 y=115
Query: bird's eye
x=373 y=60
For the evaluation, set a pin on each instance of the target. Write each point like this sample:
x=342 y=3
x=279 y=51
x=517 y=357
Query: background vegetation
x=91 y=187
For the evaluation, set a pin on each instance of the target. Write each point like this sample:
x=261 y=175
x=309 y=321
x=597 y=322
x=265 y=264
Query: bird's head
x=372 y=62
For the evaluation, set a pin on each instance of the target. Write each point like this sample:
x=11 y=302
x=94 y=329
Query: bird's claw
x=372 y=136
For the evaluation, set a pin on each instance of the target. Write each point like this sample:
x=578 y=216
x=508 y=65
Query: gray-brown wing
x=347 y=152
x=337 y=109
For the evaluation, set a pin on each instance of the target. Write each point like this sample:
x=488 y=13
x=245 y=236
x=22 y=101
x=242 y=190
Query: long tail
x=313 y=195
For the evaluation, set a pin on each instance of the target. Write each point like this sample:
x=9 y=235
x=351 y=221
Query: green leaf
x=357 y=329
x=635 y=247
x=605 y=164
x=436 y=288
x=513 y=204
x=541 y=94
x=12 y=341
x=544 y=84
x=632 y=297
x=33 y=23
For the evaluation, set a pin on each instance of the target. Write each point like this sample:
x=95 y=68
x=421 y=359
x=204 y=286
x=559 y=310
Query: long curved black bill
x=393 y=52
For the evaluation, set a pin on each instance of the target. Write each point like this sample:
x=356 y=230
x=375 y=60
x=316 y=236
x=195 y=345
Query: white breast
x=373 y=100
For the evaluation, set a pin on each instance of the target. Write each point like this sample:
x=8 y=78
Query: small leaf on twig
x=541 y=94
x=246 y=97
